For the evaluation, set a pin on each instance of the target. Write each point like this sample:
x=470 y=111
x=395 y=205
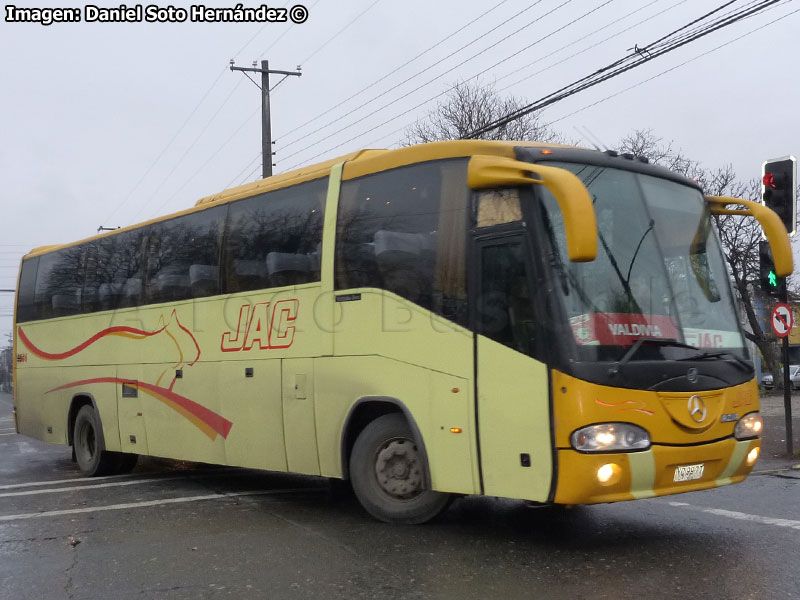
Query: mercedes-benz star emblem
x=691 y=375
x=697 y=409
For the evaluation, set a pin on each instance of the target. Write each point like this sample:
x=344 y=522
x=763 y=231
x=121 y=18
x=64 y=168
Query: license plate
x=689 y=472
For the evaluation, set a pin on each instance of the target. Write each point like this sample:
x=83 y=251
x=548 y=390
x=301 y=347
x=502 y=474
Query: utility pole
x=266 y=127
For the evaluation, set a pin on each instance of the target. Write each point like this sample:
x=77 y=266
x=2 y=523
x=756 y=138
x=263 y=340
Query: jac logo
x=262 y=327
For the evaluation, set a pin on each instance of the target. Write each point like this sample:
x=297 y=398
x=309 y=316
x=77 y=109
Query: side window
x=275 y=239
x=504 y=304
x=59 y=283
x=26 y=310
x=183 y=256
x=119 y=278
x=404 y=231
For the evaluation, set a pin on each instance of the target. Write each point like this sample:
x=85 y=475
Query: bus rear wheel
x=90 y=453
x=387 y=471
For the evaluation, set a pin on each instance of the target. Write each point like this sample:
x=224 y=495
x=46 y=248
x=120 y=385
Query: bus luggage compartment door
x=298 y=415
x=514 y=423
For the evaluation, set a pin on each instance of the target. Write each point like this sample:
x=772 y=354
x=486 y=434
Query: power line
x=186 y=152
x=202 y=166
x=410 y=110
x=164 y=149
x=285 y=31
x=428 y=68
x=186 y=182
x=432 y=80
x=396 y=69
x=338 y=33
x=644 y=55
x=413 y=108
x=587 y=48
x=664 y=72
x=185 y=122
x=374 y=83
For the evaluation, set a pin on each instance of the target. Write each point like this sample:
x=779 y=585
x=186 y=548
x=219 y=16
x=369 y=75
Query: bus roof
x=357 y=164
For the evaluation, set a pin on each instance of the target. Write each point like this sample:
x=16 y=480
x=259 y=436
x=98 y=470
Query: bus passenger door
x=298 y=415
x=513 y=390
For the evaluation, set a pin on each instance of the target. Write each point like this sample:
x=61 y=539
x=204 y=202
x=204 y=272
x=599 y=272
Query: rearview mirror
x=572 y=196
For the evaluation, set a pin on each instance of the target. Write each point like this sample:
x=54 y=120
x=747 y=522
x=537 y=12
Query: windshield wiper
x=638 y=344
x=706 y=355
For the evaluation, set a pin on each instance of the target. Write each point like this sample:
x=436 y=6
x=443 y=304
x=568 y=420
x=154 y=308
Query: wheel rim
x=397 y=469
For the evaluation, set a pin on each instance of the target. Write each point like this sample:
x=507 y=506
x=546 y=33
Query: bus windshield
x=659 y=271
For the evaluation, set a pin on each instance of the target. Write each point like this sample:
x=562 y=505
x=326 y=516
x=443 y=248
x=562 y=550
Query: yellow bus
x=520 y=320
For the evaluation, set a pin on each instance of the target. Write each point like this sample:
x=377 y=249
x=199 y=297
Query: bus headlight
x=749 y=426
x=610 y=437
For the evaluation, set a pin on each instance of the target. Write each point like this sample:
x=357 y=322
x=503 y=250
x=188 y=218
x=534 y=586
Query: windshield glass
x=659 y=271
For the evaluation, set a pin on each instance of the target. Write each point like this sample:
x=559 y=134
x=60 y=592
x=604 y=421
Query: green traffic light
x=773 y=279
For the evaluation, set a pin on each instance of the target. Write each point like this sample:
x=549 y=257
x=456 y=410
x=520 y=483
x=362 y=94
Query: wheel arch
x=365 y=410
x=79 y=400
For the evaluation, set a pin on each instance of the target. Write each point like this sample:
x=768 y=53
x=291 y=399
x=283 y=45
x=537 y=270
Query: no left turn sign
x=782 y=319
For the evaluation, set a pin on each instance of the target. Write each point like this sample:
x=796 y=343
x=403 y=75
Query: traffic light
x=778 y=181
x=770 y=282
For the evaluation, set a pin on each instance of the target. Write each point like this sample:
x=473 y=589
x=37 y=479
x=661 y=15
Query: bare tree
x=469 y=106
x=739 y=235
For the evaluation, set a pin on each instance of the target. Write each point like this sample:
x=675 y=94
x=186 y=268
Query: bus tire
x=89 y=446
x=387 y=472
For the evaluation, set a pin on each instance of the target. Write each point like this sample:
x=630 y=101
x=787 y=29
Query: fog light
x=752 y=456
x=605 y=473
x=608 y=474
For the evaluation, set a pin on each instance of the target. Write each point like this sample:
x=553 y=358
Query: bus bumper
x=654 y=472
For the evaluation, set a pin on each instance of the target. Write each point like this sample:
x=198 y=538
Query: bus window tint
x=275 y=239
x=119 y=278
x=26 y=310
x=183 y=256
x=59 y=283
x=404 y=231
x=505 y=311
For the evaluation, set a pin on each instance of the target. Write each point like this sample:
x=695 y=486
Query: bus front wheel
x=387 y=471
x=89 y=446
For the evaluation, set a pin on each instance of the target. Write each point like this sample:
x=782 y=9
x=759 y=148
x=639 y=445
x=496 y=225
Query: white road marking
x=25 y=447
x=7 y=429
x=75 y=511
x=86 y=487
x=733 y=514
x=189 y=475
x=8 y=434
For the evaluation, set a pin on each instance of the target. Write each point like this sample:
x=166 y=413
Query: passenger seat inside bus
x=248 y=275
x=204 y=280
x=132 y=292
x=171 y=283
x=66 y=304
x=405 y=262
x=108 y=295
x=285 y=268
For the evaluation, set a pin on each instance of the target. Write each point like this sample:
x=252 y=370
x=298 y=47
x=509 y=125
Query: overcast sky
x=111 y=124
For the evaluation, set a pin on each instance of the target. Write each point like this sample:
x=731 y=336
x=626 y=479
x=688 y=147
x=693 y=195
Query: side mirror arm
x=770 y=222
x=573 y=198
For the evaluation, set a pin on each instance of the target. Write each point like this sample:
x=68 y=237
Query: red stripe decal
x=105 y=332
x=217 y=422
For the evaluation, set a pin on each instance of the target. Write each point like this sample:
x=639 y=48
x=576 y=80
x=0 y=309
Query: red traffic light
x=769 y=180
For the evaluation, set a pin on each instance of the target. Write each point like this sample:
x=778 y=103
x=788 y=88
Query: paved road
x=175 y=530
